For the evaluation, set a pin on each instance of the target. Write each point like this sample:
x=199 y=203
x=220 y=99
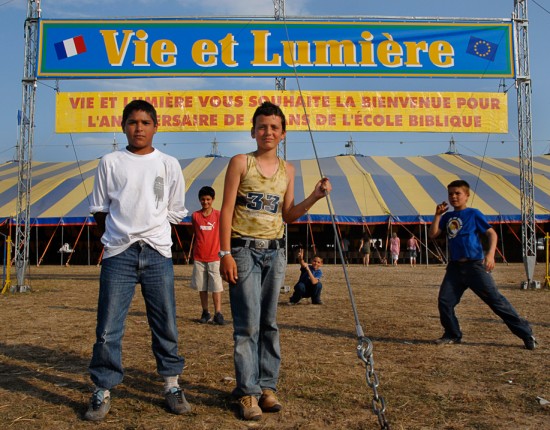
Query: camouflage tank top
x=258 y=209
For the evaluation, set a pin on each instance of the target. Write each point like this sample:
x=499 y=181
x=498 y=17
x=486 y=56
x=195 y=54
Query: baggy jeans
x=254 y=300
x=472 y=274
x=119 y=275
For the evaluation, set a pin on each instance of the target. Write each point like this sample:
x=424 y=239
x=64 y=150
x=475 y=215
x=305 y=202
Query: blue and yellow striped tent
x=365 y=189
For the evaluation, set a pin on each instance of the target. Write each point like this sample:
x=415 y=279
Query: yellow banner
x=400 y=111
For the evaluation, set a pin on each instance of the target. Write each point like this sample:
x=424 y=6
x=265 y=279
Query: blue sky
x=49 y=146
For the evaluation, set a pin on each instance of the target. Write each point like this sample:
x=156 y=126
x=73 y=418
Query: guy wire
x=358 y=328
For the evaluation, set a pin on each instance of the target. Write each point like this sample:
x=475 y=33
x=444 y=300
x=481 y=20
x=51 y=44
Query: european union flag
x=482 y=48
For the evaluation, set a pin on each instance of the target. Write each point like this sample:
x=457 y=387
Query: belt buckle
x=261 y=244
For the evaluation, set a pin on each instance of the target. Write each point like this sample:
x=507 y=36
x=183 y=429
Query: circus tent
x=365 y=189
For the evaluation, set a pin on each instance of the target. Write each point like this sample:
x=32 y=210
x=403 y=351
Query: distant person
x=364 y=248
x=258 y=199
x=206 y=262
x=138 y=192
x=412 y=249
x=345 y=249
x=395 y=247
x=309 y=284
x=469 y=268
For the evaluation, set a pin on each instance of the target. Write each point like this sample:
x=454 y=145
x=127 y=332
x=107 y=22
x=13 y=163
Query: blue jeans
x=303 y=289
x=119 y=275
x=472 y=274
x=254 y=300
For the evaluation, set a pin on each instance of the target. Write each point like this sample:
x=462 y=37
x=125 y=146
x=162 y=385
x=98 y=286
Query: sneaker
x=249 y=408
x=448 y=340
x=205 y=317
x=530 y=343
x=269 y=402
x=317 y=302
x=218 y=318
x=98 y=407
x=175 y=400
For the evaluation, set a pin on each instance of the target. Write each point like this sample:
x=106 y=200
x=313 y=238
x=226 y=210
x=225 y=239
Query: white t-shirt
x=142 y=195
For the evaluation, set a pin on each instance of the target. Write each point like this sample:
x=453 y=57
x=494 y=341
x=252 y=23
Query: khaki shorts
x=206 y=277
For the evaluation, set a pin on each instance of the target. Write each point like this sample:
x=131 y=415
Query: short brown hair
x=268 y=109
x=459 y=183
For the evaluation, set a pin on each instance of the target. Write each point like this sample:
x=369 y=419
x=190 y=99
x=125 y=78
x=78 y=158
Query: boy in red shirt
x=206 y=263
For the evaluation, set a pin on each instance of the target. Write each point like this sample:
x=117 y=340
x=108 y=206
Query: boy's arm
x=99 y=205
x=235 y=170
x=434 y=230
x=292 y=212
x=301 y=259
x=489 y=260
x=312 y=278
x=176 y=200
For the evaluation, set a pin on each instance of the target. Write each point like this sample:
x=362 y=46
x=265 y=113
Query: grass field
x=488 y=382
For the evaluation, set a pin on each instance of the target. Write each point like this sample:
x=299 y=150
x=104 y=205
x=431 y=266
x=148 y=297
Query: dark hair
x=317 y=256
x=268 y=109
x=459 y=183
x=142 y=105
x=207 y=191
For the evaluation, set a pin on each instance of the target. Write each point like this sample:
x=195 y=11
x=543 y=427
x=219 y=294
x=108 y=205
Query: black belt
x=459 y=262
x=258 y=243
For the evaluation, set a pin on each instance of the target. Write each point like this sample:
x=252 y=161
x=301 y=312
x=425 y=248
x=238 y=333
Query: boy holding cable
x=258 y=199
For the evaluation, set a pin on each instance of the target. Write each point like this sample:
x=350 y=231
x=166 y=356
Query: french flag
x=70 y=47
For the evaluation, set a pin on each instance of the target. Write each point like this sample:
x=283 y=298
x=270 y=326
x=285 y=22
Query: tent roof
x=365 y=189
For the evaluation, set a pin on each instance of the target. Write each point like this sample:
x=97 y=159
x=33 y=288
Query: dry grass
x=488 y=382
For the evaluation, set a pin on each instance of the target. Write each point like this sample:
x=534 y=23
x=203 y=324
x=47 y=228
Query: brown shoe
x=249 y=408
x=269 y=401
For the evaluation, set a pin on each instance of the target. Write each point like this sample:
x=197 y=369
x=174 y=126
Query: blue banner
x=225 y=48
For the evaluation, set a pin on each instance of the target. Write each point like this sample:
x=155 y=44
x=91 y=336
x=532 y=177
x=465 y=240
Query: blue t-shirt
x=463 y=229
x=304 y=276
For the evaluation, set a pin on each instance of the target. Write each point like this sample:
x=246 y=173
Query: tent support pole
x=62 y=238
x=75 y=243
x=48 y=245
x=88 y=242
x=307 y=240
x=314 y=247
x=502 y=241
x=426 y=242
x=36 y=237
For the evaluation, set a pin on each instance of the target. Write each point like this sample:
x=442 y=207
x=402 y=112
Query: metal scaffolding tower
x=280 y=83
x=25 y=144
x=527 y=189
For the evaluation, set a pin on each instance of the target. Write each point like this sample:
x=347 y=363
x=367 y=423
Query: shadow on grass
x=45 y=374
x=397 y=340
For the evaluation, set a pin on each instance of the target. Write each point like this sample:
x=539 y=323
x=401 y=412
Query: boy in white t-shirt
x=138 y=192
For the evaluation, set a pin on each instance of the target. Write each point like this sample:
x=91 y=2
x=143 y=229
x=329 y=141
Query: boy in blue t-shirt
x=309 y=284
x=469 y=267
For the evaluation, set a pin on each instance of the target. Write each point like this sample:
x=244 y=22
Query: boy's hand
x=301 y=258
x=489 y=263
x=441 y=208
x=228 y=269
x=322 y=188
